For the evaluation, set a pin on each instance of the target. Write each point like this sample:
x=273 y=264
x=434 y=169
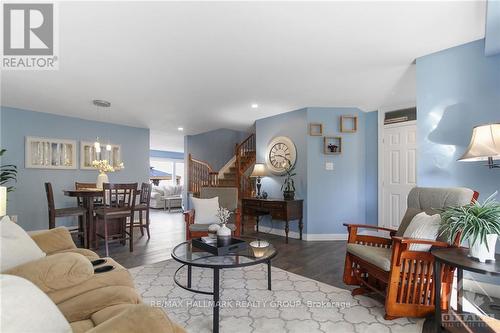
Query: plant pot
x=288 y=195
x=482 y=253
x=101 y=179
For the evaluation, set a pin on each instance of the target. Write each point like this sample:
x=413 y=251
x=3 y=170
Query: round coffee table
x=190 y=256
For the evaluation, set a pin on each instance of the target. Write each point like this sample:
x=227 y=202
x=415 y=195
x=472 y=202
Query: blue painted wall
x=346 y=194
x=457 y=89
x=371 y=163
x=29 y=200
x=293 y=125
x=492 y=32
x=214 y=147
x=166 y=154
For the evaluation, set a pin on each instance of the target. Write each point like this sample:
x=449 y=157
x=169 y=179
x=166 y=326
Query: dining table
x=89 y=197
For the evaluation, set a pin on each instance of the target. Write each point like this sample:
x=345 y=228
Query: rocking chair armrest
x=404 y=240
x=189 y=216
x=368 y=226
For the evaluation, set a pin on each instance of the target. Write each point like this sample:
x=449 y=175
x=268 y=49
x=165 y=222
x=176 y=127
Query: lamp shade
x=259 y=170
x=3 y=200
x=485 y=143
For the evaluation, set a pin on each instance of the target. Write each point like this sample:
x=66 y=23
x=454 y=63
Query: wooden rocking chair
x=387 y=266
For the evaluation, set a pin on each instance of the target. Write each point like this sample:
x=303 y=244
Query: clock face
x=280 y=152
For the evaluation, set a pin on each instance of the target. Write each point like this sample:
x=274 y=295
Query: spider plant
x=8 y=172
x=473 y=221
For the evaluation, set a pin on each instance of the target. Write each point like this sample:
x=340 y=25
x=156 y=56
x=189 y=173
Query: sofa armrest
x=53 y=240
x=137 y=319
x=55 y=272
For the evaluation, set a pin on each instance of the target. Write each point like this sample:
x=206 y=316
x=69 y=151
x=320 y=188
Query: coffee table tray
x=219 y=249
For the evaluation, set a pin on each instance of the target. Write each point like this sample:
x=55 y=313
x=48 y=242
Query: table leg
x=215 y=323
x=437 y=294
x=301 y=227
x=287 y=229
x=257 y=223
x=89 y=204
x=269 y=275
x=189 y=276
x=460 y=289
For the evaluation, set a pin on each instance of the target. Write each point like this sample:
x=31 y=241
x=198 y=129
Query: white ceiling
x=201 y=65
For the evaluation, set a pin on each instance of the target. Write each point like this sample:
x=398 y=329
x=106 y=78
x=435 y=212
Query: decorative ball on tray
x=259 y=247
x=212 y=230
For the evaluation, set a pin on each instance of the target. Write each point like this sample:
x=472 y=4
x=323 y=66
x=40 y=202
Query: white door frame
x=381 y=126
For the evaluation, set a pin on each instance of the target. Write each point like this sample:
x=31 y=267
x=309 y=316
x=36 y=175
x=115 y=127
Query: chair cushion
x=423 y=226
x=378 y=256
x=17 y=247
x=25 y=308
x=205 y=210
x=204 y=227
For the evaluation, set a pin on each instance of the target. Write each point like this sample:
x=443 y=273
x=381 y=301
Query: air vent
x=400 y=116
x=101 y=103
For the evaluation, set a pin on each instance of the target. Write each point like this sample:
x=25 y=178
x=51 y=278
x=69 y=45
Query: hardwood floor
x=321 y=261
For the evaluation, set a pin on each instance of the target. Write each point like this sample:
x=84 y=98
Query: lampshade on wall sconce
x=484 y=145
x=259 y=171
x=3 y=201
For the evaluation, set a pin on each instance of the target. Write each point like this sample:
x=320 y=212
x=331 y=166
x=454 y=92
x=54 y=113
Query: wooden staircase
x=201 y=174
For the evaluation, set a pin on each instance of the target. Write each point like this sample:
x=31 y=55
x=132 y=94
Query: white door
x=399 y=174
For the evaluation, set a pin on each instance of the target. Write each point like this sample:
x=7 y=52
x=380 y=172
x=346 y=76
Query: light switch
x=329 y=166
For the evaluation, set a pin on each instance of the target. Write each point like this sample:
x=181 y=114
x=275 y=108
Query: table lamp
x=484 y=145
x=3 y=201
x=259 y=171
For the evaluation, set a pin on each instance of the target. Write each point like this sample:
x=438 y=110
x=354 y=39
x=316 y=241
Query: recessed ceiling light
x=255 y=106
x=180 y=129
x=102 y=103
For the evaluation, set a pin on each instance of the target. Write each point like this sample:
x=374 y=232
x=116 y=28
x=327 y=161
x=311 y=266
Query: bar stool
x=143 y=206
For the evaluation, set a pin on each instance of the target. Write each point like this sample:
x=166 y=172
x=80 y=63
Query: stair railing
x=200 y=175
x=245 y=157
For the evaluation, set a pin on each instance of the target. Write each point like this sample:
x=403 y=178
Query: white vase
x=483 y=253
x=101 y=179
x=223 y=235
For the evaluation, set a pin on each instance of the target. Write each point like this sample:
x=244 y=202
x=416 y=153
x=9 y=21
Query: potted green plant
x=288 y=187
x=8 y=172
x=479 y=223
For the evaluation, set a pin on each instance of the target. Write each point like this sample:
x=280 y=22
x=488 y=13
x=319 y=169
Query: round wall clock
x=279 y=151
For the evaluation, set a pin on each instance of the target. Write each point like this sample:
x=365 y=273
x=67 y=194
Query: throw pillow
x=16 y=246
x=423 y=226
x=25 y=308
x=205 y=210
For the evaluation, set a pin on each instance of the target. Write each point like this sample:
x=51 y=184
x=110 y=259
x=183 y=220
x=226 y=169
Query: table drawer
x=273 y=205
x=251 y=204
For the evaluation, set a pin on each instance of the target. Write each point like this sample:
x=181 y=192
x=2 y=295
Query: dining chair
x=118 y=204
x=143 y=208
x=79 y=212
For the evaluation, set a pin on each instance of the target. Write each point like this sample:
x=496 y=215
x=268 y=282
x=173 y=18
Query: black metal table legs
x=216 y=301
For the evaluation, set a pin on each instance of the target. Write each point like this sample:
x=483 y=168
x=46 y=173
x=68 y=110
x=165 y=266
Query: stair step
x=229 y=175
x=227 y=182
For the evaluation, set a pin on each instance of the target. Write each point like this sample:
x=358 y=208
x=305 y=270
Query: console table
x=279 y=209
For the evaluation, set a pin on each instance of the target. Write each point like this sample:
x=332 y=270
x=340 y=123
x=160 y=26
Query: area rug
x=295 y=304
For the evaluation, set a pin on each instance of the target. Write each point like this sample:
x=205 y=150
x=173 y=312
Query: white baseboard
x=306 y=237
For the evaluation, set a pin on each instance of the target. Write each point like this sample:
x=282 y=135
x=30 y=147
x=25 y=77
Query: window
x=170 y=167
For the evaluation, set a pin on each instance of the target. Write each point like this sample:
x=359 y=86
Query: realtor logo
x=29 y=36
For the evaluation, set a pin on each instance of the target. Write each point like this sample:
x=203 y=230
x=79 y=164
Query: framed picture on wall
x=47 y=153
x=109 y=152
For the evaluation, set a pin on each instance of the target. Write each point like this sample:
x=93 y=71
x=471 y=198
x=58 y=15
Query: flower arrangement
x=223 y=215
x=104 y=167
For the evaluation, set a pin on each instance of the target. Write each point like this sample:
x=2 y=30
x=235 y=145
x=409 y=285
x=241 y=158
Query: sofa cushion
x=17 y=247
x=423 y=226
x=82 y=326
x=205 y=210
x=204 y=227
x=378 y=256
x=25 y=308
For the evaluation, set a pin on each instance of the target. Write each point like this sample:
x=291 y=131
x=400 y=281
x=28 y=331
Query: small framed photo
x=315 y=129
x=332 y=145
x=348 y=124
